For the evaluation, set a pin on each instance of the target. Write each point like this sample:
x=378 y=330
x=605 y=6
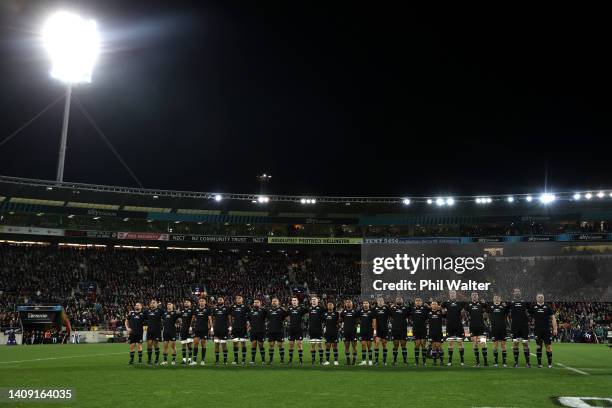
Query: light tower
x=73 y=45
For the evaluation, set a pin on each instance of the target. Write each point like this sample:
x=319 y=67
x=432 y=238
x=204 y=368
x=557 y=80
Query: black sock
x=462 y=354
x=149 y=354
x=370 y=354
x=335 y=354
x=394 y=354
x=301 y=355
x=244 y=353
x=173 y=356
x=405 y=354
x=270 y=355
x=485 y=355
x=496 y=356
x=515 y=352
x=253 y=354
x=195 y=354
x=320 y=355
x=539 y=356
x=216 y=356
x=290 y=355
x=235 y=353
x=281 y=352
x=313 y=355
x=184 y=351
x=424 y=355
x=131 y=356
x=347 y=357
x=477 y=355
x=441 y=354
x=549 y=357
x=416 y=355
x=327 y=355
x=156 y=355
x=504 y=355
x=140 y=356
x=376 y=354
x=203 y=353
x=363 y=355
x=384 y=355
x=526 y=352
x=450 y=355
x=262 y=353
x=165 y=356
x=225 y=356
x=354 y=357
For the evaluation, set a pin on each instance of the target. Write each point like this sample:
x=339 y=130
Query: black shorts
x=399 y=335
x=477 y=331
x=455 y=331
x=436 y=337
x=295 y=335
x=200 y=334
x=135 y=337
x=520 y=333
x=366 y=336
x=499 y=335
x=276 y=337
x=239 y=333
x=315 y=335
x=185 y=336
x=419 y=334
x=350 y=336
x=154 y=335
x=543 y=336
x=169 y=336
x=331 y=337
x=260 y=337
x=383 y=334
x=220 y=334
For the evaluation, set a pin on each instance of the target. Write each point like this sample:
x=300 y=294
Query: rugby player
x=399 y=328
x=331 y=318
x=383 y=312
x=169 y=319
x=134 y=323
x=315 y=329
x=257 y=330
x=499 y=316
x=295 y=315
x=221 y=328
x=239 y=315
x=201 y=328
x=519 y=326
x=276 y=316
x=419 y=330
x=434 y=319
x=154 y=320
x=476 y=310
x=543 y=317
x=186 y=340
x=349 y=317
x=367 y=332
x=454 y=326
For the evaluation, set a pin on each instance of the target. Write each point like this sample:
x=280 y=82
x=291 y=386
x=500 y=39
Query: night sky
x=340 y=99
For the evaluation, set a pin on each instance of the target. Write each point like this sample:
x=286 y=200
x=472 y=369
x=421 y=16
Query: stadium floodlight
x=406 y=201
x=303 y=200
x=577 y=196
x=600 y=194
x=588 y=196
x=218 y=197
x=313 y=201
x=510 y=199
x=440 y=201
x=610 y=194
x=528 y=198
x=547 y=198
x=450 y=201
x=489 y=200
x=73 y=44
x=263 y=199
x=429 y=201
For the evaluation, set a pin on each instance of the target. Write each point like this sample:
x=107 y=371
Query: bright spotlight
x=510 y=199
x=406 y=201
x=489 y=200
x=218 y=197
x=303 y=200
x=263 y=199
x=610 y=194
x=588 y=196
x=576 y=196
x=478 y=200
x=450 y=201
x=73 y=44
x=547 y=198
x=528 y=199
x=600 y=194
x=429 y=201
x=313 y=201
x=439 y=201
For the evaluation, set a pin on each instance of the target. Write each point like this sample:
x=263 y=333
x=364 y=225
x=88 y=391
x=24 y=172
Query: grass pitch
x=100 y=376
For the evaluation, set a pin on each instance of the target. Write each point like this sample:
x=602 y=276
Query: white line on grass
x=59 y=358
x=568 y=367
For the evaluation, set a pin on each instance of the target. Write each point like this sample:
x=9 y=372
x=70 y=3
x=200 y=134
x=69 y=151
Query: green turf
x=101 y=377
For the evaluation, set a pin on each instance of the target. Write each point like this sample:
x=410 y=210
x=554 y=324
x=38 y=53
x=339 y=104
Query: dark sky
x=352 y=98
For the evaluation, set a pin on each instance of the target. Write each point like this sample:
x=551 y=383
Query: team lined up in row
x=373 y=326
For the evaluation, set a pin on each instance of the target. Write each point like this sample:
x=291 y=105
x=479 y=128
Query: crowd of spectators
x=98 y=286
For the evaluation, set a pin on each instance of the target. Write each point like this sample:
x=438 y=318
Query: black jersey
x=154 y=319
x=276 y=317
x=186 y=317
x=331 y=323
x=239 y=317
x=476 y=312
x=257 y=319
x=169 y=321
x=136 y=320
x=541 y=316
x=349 y=320
x=201 y=319
x=295 y=317
x=383 y=313
x=220 y=315
x=315 y=319
x=419 y=318
x=453 y=313
x=399 y=318
x=499 y=314
x=365 y=322
x=518 y=312
x=434 y=318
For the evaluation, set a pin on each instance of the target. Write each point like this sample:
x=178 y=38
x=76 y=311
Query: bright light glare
x=263 y=199
x=577 y=196
x=406 y=201
x=218 y=197
x=547 y=198
x=510 y=199
x=450 y=201
x=600 y=194
x=440 y=201
x=73 y=44
x=429 y=201
x=588 y=196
